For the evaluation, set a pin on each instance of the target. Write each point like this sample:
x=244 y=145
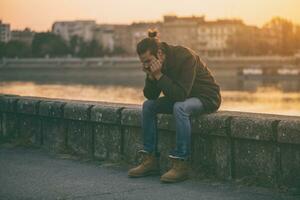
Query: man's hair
x=150 y=43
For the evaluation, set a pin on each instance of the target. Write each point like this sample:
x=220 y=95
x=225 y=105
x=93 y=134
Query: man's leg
x=150 y=163
x=180 y=155
x=182 y=112
x=149 y=121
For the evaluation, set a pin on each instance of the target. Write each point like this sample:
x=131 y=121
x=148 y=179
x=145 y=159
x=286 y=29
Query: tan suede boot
x=178 y=172
x=149 y=166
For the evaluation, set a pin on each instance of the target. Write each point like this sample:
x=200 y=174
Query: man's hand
x=146 y=69
x=155 y=68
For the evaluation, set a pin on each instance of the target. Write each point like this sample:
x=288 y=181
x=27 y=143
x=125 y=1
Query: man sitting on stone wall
x=188 y=87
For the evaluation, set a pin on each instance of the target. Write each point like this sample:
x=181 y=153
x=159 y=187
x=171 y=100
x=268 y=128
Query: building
x=4 y=32
x=181 y=30
x=122 y=38
x=126 y=37
x=104 y=34
x=25 y=36
x=139 y=31
x=81 y=28
x=212 y=36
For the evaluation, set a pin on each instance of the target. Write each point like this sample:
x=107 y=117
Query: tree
x=248 y=41
x=297 y=38
x=17 y=49
x=74 y=44
x=282 y=31
x=118 y=51
x=2 y=49
x=49 y=44
x=91 y=49
x=278 y=36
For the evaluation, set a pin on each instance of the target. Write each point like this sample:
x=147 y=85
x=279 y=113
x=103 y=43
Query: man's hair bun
x=152 y=33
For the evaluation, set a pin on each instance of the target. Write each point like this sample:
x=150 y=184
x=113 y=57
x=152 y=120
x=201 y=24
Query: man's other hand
x=155 y=68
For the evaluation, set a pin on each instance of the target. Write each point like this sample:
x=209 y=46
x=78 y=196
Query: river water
x=265 y=99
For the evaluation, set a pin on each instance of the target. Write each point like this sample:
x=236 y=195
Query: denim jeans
x=182 y=112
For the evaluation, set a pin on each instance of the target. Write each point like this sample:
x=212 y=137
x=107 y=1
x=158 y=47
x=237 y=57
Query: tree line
x=277 y=37
x=51 y=45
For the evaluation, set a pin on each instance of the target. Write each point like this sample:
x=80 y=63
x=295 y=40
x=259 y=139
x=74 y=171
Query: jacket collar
x=168 y=52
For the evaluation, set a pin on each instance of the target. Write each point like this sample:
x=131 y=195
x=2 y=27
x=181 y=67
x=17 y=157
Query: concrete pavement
x=28 y=173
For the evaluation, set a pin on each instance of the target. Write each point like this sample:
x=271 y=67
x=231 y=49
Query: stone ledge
x=52 y=109
x=289 y=131
x=8 y=103
x=225 y=144
x=28 y=106
x=77 y=111
x=106 y=114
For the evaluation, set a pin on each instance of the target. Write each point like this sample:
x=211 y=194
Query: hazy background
x=40 y=14
x=78 y=49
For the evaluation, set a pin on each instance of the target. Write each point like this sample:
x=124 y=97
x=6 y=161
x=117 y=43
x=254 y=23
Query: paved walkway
x=35 y=174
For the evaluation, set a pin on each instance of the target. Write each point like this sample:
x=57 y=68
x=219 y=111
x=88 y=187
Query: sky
x=39 y=15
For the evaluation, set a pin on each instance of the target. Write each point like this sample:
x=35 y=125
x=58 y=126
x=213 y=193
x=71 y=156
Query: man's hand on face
x=155 y=68
x=146 y=69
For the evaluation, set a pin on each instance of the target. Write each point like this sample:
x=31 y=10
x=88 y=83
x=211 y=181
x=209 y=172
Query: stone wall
x=261 y=148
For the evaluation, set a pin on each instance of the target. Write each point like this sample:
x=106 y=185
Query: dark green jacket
x=184 y=76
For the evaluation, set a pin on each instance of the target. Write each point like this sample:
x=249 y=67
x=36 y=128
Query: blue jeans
x=181 y=111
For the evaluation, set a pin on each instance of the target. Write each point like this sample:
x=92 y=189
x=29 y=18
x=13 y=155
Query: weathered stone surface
x=256 y=160
x=80 y=137
x=77 y=111
x=166 y=122
x=29 y=130
x=132 y=143
x=8 y=103
x=211 y=145
x=131 y=117
x=54 y=134
x=289 y=145
x=54 y=131
x=108 y=134
x=51 y=109
x=289 y=131
x=211 y=124
x=1 y=131
x=9 y=127
x=290 y=165
x=254 y=148
x=224 y=144
x=108 y=142
x=28 y=106
x=1 y=102
x=106 y=114
x=211 y=155
x=253 y=128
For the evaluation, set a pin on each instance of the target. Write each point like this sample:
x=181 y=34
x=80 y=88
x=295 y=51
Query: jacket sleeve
x=151 y=89
x=180 y=89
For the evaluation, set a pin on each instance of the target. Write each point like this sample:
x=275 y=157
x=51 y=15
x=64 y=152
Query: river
x=264 y=99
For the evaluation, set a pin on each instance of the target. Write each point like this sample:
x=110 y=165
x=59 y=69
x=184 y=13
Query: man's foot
x=178 y=172
x=149 y=166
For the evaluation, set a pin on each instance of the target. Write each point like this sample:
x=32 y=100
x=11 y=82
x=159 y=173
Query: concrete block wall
x=261 y=148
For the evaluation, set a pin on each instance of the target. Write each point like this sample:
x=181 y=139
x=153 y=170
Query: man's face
x=146 y=59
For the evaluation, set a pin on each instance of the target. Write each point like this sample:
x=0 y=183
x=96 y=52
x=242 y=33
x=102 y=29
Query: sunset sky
x=40 y=14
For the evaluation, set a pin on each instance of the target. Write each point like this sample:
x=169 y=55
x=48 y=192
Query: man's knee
x=179 y=108
x=149 y=105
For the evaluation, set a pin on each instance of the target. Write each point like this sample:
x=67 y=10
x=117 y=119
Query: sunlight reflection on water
x=263 y=100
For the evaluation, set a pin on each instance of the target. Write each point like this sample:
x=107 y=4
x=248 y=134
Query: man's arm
x=180 y=89
x=151 y=89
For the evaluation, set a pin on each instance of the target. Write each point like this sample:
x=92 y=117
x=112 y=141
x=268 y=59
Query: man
x=188 y=88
